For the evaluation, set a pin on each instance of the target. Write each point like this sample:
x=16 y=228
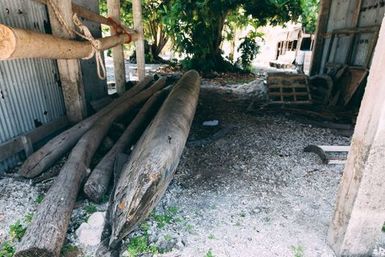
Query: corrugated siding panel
x=30 y=92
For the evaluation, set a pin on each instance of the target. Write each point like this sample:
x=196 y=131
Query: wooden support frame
x=360 y=209
x=113 y=7
x=69 y=70
x=138 y=25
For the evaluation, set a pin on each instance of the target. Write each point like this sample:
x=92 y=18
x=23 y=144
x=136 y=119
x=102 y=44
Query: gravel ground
x=252 y=192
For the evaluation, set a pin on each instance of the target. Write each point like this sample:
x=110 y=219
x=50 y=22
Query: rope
x=85 y=34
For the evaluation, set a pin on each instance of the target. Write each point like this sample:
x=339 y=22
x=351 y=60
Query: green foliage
x=309 y=16
x=139 y=245
x=209 y=254
x=28 y=217
x=298 y=251
x=90 y=208
x=39 y=199
x=166 y=218
x=7 y=249
x=249 y=50
x=383 y=228
x=68 y=248
x=198 y=26
x=17 y=230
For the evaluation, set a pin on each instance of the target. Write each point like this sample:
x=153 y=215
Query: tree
x=309 y=16
x=153 y=12
x=197 y=26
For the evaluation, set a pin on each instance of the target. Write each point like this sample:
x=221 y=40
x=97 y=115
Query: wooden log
x=61 y=144
x=99 y=180
x=20 y=43
x=153 y=161
x=46 y=233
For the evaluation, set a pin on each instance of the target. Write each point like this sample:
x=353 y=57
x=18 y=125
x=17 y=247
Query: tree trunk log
x=153 y=161
x=61 y=144
x=20 y=43
x=97 y=184
x=45 y=235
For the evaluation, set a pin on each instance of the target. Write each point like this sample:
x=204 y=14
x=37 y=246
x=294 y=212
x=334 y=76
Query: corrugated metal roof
x=30 y=92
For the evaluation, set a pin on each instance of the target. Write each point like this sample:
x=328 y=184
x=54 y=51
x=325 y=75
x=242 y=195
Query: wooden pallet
x=286 y=88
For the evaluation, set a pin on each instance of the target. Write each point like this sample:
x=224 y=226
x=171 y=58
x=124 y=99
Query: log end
x=33 y=252
x=7 y=42
x=94 y=191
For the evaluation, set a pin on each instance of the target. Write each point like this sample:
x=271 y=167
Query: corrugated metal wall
x=349 y=49
x=30 y=93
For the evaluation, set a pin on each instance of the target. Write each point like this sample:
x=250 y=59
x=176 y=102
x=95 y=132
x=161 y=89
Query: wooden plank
x=360 y=208
x=17 y=145
x=138 y=25
x=69 y=70
x=113 y=7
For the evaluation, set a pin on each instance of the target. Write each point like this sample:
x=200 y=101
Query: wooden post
x=113 y=7
x=322 y=25
x=360 y=209
x=69 y=70
x=138 y=25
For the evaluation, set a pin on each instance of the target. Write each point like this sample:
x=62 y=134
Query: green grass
x=17 y=231
x=139 y=245
x=209 y=254
x=166 y=218
x=68 y=248
x=7 y=249
x=39 y=199
x=211 y=237
x=298 y=251
x=90 y=208
x=28 y=217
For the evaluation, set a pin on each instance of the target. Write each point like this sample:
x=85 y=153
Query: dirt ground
x=250 y=190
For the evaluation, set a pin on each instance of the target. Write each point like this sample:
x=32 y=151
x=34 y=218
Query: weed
x=68 y=248
x=298 y=251
x=189 y=228
x=17 y=230
x=167 y=237
x=211 y=236
x=209 y=254
x=90 y=208
x=139 y=245
x=28 y=217
x=7 y=250
x=39 y=199
x=163 y=219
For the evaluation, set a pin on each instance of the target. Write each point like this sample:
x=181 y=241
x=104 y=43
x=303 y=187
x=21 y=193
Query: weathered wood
x=99 y=180
x=46 y=233
x=20 y=43
x=360 y=208
x=15 y=145
x=113 y=7
x=138 y=25
x=59 y=145
x=153 y=161
x=69 y=70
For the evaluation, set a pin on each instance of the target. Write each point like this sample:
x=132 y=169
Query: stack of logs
x=167 y=112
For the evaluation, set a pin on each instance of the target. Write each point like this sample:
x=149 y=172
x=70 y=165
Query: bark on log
x=153 y=161
x=61 y=144
x=45 y=235
x=99 y=180
x=20 y=43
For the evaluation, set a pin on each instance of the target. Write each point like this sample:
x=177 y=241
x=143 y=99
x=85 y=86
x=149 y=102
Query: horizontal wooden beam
x=20 y=43
x=24 y=142
x=95 y=17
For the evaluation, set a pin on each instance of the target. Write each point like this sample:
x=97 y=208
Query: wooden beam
x=113 y=7
x=138 y=25
x=360 y=208
x=322 y=25
x=24 y=142
x=69 y=70
x=20 y=43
